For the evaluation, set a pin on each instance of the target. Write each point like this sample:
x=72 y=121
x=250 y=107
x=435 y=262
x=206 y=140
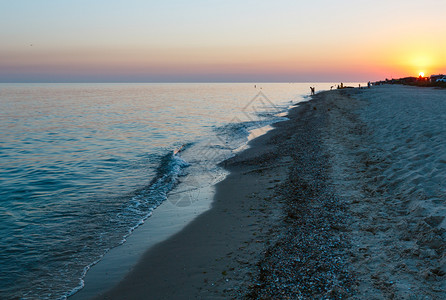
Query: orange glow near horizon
x=285 y=61
x=427 y=60
x=277 y=60
x=230 y=40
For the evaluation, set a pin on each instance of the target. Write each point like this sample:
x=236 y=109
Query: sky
x=220 y=40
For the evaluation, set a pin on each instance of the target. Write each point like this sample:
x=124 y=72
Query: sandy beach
x=223 y=150
x=346 y=199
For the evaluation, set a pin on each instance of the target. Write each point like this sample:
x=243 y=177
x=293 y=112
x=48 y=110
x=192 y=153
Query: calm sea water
x=83 y=165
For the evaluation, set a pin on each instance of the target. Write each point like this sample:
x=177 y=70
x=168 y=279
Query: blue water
x=82 y=165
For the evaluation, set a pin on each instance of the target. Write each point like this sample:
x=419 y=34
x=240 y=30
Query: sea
x=82 y=166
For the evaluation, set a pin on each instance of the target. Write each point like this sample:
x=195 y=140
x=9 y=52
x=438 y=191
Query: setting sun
x=421 y=74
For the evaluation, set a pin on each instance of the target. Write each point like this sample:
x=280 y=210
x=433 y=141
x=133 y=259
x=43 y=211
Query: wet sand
x=341 y=201
x=215 y=256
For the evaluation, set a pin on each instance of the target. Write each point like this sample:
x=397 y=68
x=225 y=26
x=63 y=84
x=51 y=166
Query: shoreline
x=117 y=262
x=221 y=246
x=167 y=222
x=327 y=204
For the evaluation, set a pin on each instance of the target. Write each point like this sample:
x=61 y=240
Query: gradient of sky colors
x=220 y=40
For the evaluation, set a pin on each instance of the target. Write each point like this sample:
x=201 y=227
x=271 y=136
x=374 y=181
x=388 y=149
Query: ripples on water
x=82 y=165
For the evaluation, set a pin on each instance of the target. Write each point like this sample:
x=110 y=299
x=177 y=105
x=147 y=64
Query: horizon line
x=147 y=82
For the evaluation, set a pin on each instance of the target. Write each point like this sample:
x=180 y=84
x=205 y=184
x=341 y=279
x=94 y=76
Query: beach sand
x=215 y=255
x=388 y=149
x=346 y=199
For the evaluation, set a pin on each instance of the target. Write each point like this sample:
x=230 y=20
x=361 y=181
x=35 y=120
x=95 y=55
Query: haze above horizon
x=220 y=41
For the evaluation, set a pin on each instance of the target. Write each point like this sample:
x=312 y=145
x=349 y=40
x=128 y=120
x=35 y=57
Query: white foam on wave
x=158 y=189
x=145 y=202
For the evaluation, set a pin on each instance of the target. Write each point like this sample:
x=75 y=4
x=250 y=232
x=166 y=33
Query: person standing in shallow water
x=312 y=90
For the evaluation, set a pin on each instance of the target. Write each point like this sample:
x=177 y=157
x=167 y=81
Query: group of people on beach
x=340 y=86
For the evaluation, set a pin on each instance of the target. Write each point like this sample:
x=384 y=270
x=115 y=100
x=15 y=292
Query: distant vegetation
x=415 y=81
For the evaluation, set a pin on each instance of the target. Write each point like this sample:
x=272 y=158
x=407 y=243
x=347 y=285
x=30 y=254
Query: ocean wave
x=143 y=202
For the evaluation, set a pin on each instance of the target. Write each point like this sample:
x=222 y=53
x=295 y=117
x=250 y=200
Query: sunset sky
x=220 y=40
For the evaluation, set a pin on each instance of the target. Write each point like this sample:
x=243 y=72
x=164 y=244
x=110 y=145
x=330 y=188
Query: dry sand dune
x=388 y=148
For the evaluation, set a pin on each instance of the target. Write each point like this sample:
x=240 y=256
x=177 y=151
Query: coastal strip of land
x=346 y=199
